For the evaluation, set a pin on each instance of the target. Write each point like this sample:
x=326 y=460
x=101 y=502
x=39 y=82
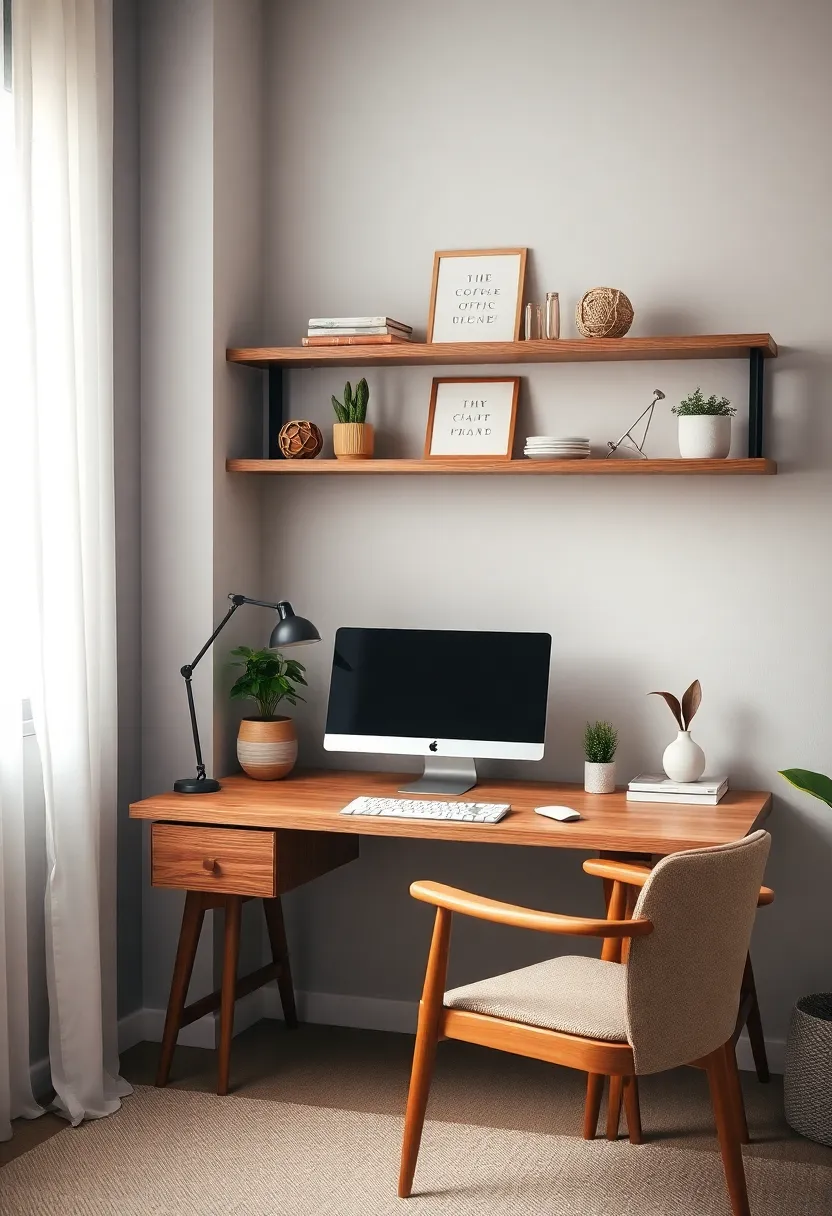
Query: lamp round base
x=196 y=785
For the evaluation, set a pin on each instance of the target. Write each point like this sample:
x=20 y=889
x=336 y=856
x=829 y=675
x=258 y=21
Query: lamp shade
x=292 y=630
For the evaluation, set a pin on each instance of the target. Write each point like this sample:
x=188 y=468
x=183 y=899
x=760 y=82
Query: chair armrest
x=524 y=918
x=635 y=874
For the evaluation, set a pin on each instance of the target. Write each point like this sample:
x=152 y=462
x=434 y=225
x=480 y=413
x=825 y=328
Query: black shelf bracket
x=756 y=380
x=275 y=412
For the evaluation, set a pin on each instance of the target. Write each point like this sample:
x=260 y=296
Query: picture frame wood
x=467 y=421
x=492 y=309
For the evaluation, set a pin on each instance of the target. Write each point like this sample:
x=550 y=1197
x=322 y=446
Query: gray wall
x=679 y=155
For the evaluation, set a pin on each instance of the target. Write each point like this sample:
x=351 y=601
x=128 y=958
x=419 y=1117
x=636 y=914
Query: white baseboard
x=321 y=1008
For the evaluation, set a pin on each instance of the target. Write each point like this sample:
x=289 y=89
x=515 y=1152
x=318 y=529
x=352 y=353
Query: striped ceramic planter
x=353 y=440
x=267 y=748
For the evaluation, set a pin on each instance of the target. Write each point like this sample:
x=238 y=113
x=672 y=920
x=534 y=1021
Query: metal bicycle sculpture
x=629 y=438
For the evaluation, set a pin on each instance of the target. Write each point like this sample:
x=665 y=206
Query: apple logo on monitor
x=434 y=747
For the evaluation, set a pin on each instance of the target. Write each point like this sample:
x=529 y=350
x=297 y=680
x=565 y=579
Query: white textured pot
x=599 y=778
x=704 y=436
x=683 y=760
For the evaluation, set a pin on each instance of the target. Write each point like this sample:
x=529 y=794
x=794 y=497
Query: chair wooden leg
x=424 y=1055
x=592 y=1106
x=231 y=953
x=729 y=1143
x=754 y=1025
x=632 y=1110
x=192 y=918
x=614 y=1107
x=273 y=910
x=737 y=1100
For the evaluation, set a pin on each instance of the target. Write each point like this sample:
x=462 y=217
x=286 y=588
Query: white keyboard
x=407 y=808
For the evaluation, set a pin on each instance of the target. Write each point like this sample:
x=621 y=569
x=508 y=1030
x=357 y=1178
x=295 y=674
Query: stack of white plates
x=557 y=447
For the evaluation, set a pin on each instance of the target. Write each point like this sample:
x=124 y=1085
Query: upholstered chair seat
x=577 y=995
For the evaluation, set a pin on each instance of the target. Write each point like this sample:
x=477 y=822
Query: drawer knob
x=210 y=864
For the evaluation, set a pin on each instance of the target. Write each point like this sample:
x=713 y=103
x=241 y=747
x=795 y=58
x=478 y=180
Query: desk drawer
x=230 y=861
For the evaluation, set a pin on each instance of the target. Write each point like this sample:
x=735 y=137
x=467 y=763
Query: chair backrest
x=683 y=980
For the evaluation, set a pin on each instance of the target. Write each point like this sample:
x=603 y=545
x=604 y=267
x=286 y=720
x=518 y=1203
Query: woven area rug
x=194 y=1154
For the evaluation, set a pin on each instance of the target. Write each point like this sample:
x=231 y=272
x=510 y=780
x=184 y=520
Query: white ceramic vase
x=599 y=778
x=704 y=436
x=683 y=760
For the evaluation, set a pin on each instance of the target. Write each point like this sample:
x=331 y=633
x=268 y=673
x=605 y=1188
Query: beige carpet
x=193 y=1154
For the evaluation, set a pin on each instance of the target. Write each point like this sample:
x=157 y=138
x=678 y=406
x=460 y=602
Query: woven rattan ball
x=604 y=312
x=300 y=439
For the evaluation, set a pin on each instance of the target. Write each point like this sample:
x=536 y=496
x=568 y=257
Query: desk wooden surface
x=310 y=801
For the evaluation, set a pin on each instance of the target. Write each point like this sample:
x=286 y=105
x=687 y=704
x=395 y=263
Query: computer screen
x=446 y=692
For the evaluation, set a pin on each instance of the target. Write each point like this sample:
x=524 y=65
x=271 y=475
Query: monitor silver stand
x=448 y=775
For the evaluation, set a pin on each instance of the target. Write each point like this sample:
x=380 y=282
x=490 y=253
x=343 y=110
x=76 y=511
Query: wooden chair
x=622 y=881
x=674 y=1001
x=178 y=1015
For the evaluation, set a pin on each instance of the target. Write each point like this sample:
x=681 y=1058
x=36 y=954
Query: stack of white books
x=356 y=331
x=655 y=787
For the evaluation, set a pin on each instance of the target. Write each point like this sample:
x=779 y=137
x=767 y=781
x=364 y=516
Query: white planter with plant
x=352 y=436
x=683 y=760
x=704 y=426
x=267 y=743
x=600 y=742
x=807 y=1075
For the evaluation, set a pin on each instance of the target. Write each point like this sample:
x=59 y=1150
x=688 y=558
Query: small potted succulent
x=683 y=760
x=704 y=426
x=352 y=435
x=807 y=1075
x=267 y=743
x=600 y=742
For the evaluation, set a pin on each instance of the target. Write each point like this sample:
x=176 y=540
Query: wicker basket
x=807 y=1082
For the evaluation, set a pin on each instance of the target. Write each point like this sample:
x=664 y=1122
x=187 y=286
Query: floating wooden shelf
x=565 y=350
x=749 y=467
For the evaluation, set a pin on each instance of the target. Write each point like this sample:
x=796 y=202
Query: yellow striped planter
x=267 y=748
x=353 y=440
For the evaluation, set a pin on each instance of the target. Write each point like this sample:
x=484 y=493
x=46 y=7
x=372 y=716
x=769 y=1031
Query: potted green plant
x=600 y=742
x=807 y=1075
x=352 y=435
x=267 y=743
x=704 y=426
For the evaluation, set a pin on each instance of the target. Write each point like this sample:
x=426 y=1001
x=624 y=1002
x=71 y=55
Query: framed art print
x=476 y=295
x=472 y=418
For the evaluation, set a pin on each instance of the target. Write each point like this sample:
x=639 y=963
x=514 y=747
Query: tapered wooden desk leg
x=614 y=1107
x=754 y=1024
x=632 y=1110
x=273 y=910
x=729 y=1143
x=592 y=1106
x=192 y=918
x=231 y=953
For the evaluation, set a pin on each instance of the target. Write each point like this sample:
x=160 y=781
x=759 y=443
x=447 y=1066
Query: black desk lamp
x=290 y=630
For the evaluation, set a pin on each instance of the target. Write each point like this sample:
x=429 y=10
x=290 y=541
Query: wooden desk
x=255 y=839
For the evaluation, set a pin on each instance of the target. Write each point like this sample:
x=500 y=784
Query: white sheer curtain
x=57 y=593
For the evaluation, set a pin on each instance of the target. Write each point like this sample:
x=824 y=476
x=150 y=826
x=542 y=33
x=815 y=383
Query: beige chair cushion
x=577 y=995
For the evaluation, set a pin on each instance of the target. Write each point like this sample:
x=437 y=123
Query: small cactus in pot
x=352 y=435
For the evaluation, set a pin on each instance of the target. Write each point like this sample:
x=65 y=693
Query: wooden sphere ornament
x=300 y=439
x=603 y=312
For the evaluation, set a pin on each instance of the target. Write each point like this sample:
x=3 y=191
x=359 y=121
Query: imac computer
x=449 y=695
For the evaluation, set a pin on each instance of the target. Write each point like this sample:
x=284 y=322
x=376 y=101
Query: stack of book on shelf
x=356 y=331
x=655 y=787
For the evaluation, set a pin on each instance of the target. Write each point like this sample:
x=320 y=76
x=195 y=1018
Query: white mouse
x=563 y=814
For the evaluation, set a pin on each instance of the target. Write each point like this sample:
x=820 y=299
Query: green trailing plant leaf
x=267 y=680
x=600 y=742
x=691 y=701
x=673 y=705
x=696 y=404
x=816 y=784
